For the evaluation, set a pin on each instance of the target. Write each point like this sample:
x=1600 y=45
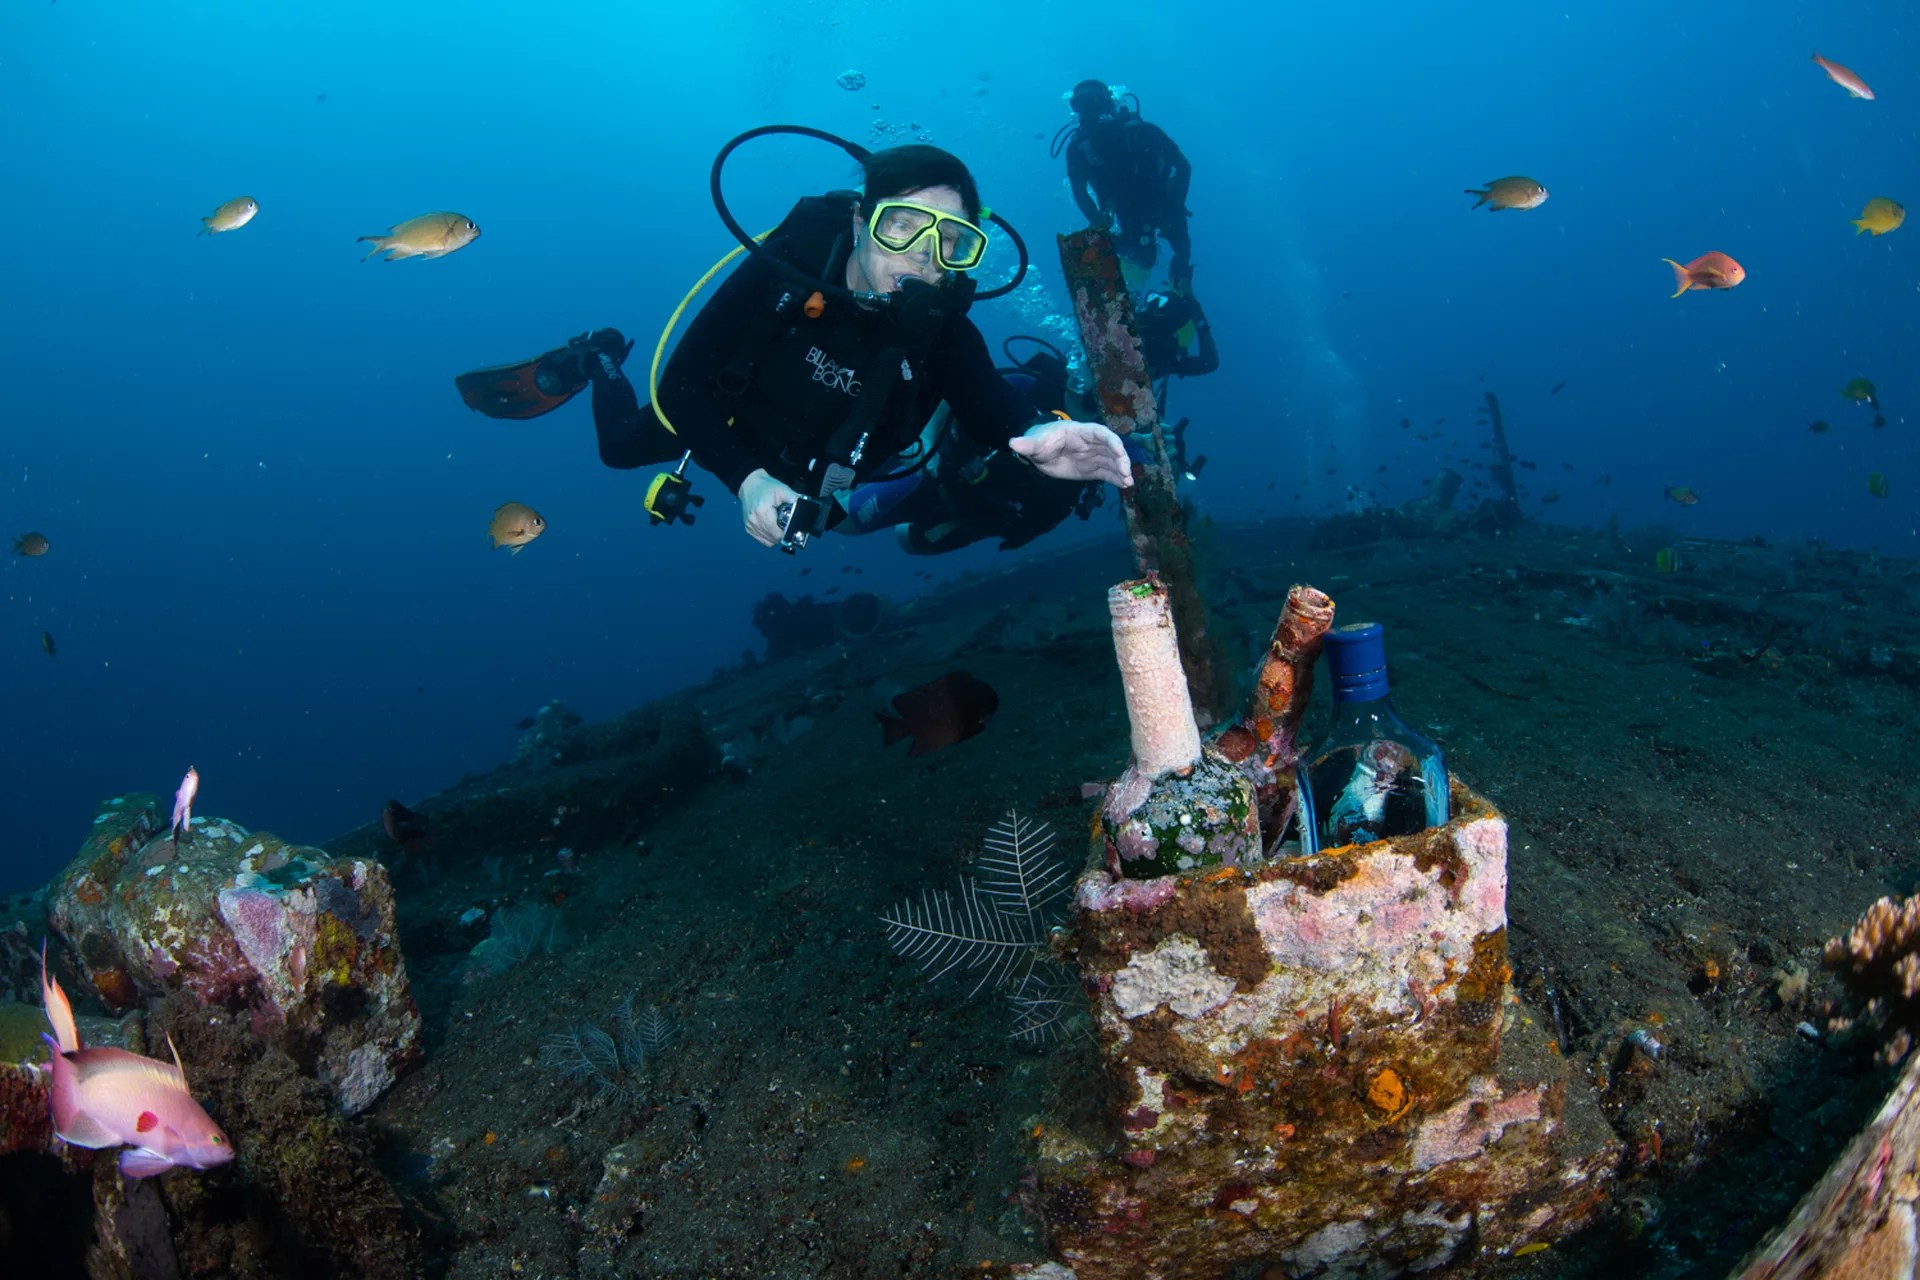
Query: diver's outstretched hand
x=761 y=497
x=1075 y=451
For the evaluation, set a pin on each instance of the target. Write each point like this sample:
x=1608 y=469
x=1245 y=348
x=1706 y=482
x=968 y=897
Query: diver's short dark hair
x=898 y=170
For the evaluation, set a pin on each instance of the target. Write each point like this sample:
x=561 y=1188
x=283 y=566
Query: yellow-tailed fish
x=431 y=235
x=1682 y=495
x=1877 y=485
x=1860 y=391
x=231 y=216
x=1666 y=559
x=1880 y=216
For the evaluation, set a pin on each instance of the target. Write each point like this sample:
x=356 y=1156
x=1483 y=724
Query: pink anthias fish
x=183 y=805
x=113 y=1098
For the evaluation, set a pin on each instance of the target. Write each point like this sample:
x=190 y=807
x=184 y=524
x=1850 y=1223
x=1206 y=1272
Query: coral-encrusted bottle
x=1372 y=777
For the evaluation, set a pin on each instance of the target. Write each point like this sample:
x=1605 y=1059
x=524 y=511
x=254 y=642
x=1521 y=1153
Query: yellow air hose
x=660 y=350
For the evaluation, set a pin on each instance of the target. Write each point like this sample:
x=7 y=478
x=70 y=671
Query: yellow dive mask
x=898 y=225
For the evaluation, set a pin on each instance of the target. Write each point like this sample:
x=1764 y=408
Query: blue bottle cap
x=1357 y=661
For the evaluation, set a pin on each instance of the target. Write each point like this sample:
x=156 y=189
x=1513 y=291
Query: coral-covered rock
x=25 y=1122
x=19 y=960
x=312 y=1200
x=1311 y=1060
x=1879 y=960
x=300 y=940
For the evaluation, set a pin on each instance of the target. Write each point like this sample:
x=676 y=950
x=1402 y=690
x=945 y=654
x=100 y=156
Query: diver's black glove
x=602 y=351
x=565 y=370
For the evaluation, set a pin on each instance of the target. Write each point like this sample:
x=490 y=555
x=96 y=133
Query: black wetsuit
x=748 y=388
x=1166 y=358
x=1141 y=177
x=1160 y=342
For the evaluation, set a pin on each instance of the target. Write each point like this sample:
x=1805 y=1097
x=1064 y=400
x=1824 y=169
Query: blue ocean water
x=268 y=507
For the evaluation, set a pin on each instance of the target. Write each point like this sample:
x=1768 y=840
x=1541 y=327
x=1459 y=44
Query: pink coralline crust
x=1126 y=795
x=1483 y=845
x=1098 y=892
x=1388 y=906
x=1139 y=1118
x=258 y=921
x=1467 y=1128
x=1134 y=840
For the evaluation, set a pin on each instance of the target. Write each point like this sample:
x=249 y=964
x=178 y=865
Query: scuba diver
x=1170 y=322
x=1128 y=176
x=816 y=365
x=967 y=493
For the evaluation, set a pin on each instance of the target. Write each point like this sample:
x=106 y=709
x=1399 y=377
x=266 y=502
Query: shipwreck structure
x=1123 y=388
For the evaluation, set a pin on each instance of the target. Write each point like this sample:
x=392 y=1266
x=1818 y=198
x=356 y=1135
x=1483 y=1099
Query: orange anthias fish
x=1841 y=76
x=939 y=713
x=1708 y=271
x=112 y=1098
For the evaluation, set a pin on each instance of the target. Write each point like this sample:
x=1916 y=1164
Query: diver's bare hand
x=761 y=497
x=1075 y=451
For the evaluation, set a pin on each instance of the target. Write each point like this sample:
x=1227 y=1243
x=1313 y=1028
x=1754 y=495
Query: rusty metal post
x=1123 y=388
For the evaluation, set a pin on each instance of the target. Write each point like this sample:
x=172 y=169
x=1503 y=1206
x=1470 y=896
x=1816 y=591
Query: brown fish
x=404 y=827
x=431 y=235
x=1510 y=193
x=515 y=524
x=31 y=544
x=939 y=713
x=46 y=642
x=1708 y=271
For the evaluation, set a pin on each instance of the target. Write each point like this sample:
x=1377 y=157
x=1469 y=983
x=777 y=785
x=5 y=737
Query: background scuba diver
x=769 y=385
x=1128 y=175
x=1169 y=323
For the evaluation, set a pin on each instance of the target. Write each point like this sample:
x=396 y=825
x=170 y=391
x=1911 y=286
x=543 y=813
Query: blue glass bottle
x=1372 y=777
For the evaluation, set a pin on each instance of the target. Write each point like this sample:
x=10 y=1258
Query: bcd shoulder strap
x=813 y=221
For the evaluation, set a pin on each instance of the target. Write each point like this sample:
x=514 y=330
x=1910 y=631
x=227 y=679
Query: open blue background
x=268 y=507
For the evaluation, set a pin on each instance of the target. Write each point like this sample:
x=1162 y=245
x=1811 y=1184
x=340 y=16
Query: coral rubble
x=301 y=941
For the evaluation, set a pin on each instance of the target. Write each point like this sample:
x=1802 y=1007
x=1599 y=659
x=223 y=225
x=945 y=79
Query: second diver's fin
x=526 y=388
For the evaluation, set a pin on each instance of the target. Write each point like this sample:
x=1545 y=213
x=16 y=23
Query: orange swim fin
x=523 y=389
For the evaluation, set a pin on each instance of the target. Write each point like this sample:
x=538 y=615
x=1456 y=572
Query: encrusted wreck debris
x=1178 y=805
x=1312 y=1063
